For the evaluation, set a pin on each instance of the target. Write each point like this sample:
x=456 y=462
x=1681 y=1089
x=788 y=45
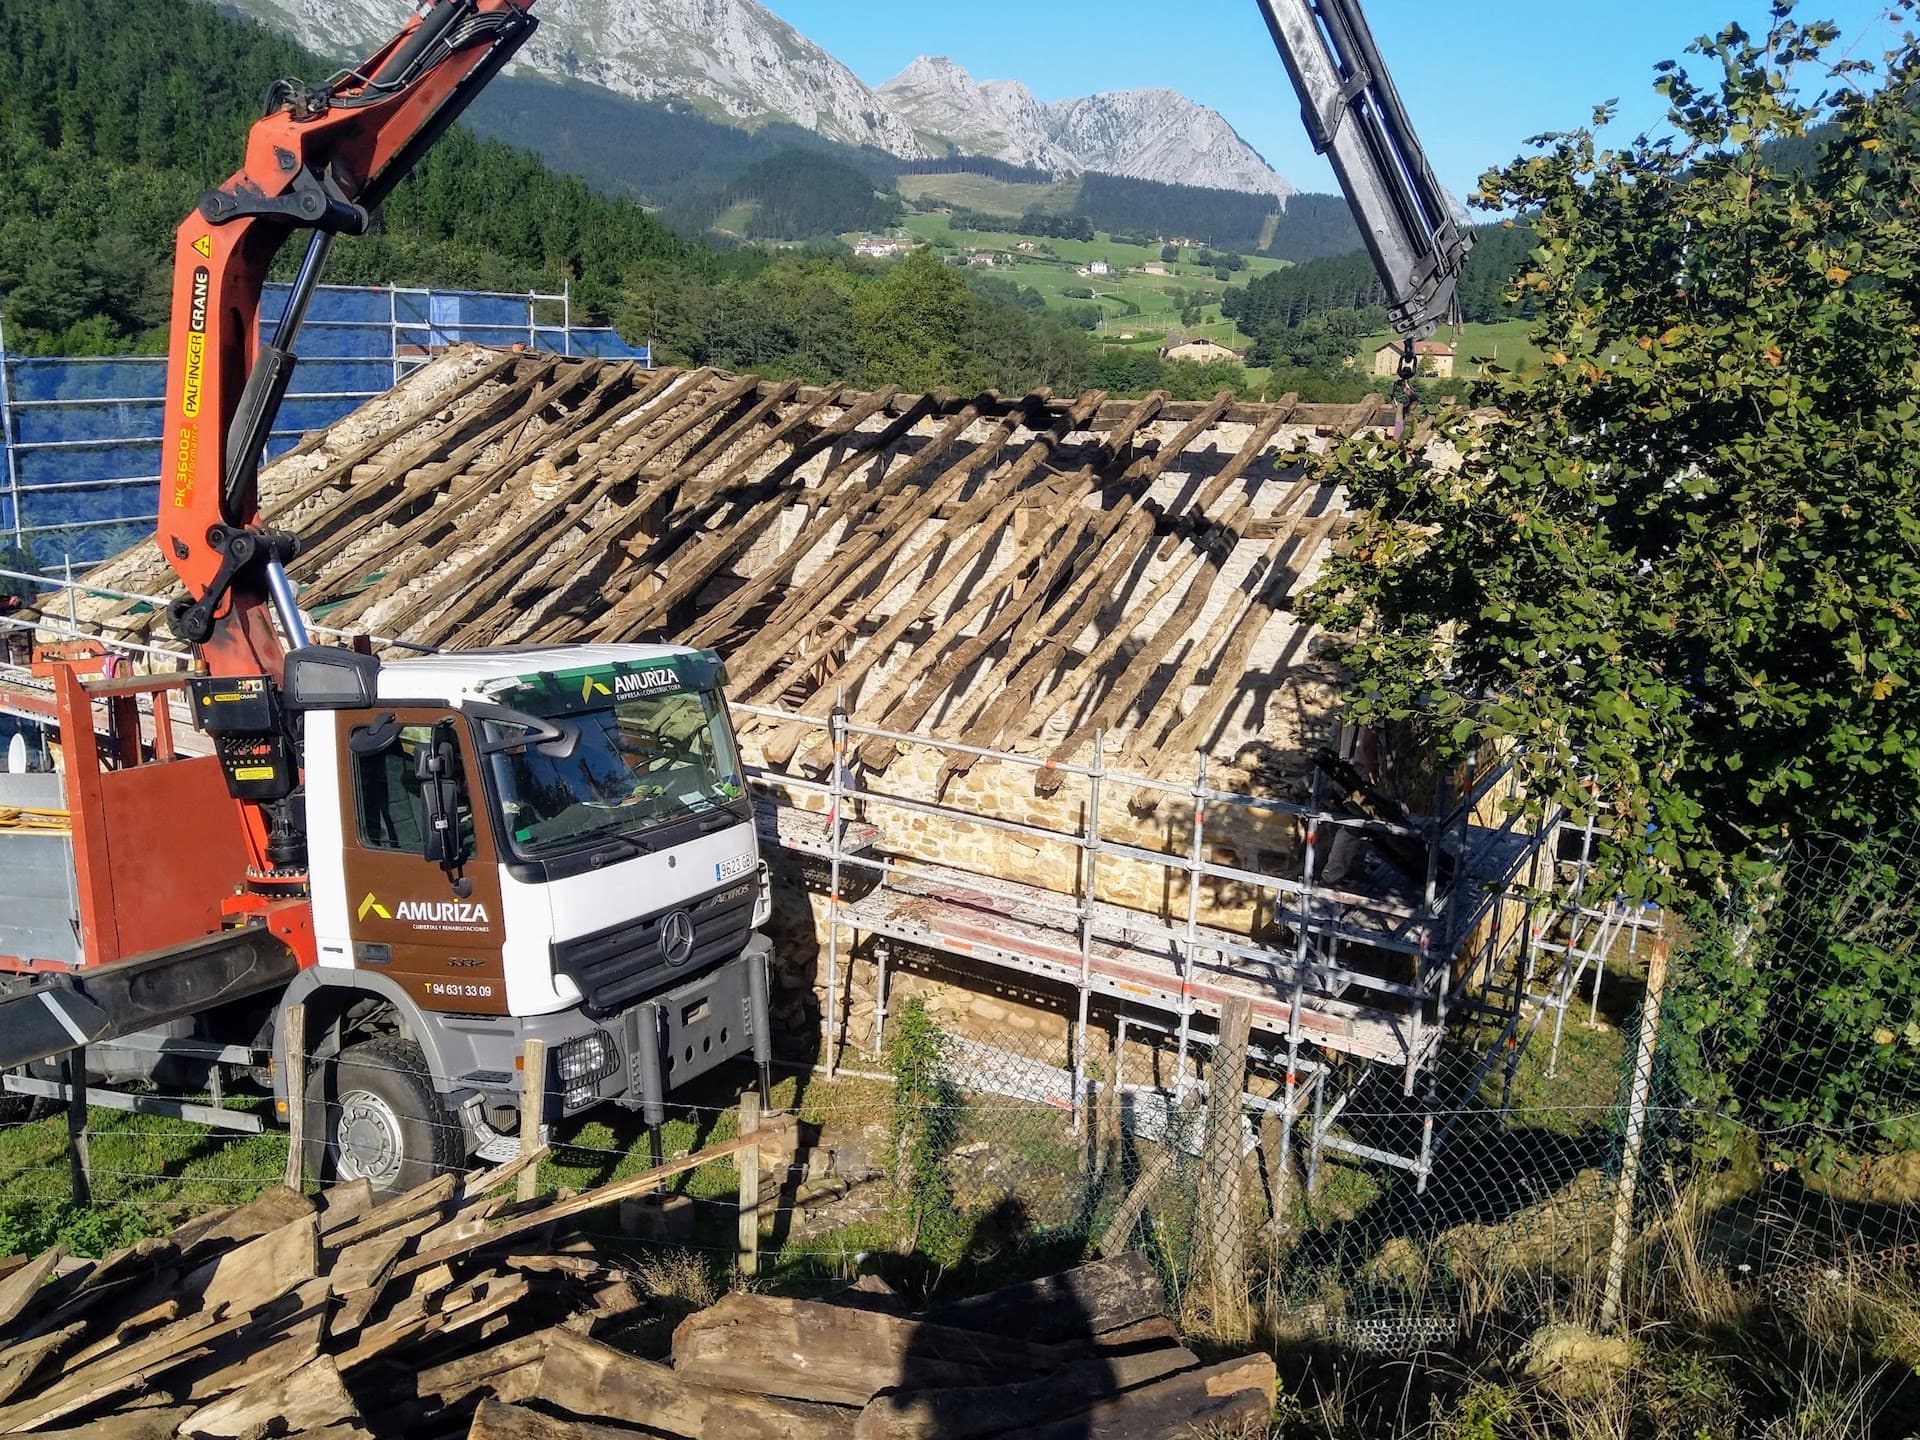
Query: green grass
x=989 y=197
x=1148 y=306
x=1504 y=344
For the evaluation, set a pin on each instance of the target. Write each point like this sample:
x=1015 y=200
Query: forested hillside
x=1229 y=219
x=661 y=154
x=118 y=113
x=795 y=195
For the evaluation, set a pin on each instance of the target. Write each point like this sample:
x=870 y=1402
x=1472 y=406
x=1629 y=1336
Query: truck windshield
x=640 y=763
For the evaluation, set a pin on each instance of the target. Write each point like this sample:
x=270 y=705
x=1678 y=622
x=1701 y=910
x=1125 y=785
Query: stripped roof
x=1017 y=572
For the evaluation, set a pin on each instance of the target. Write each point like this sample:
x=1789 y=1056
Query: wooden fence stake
x=296 y=1179
x=1225 y=1168
x=749 y=1162
x=78 y=1158
x=1644 y=1056
x=533 y=1129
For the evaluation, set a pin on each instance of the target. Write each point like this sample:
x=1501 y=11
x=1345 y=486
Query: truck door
x=431 y=919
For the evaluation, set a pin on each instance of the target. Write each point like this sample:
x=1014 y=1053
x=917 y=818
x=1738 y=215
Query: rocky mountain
x=729 y=59
x=1144 y=134
x=736 y=62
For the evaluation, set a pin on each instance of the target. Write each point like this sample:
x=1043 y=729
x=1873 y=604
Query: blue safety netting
x=80 y=445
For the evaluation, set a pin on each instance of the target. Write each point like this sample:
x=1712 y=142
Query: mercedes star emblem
x=676 y=938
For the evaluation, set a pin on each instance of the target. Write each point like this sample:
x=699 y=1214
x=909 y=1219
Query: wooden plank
x=1229 y=666
x=158 y=1423
x=1118 y=1235
x=1079 y=1304
x=309 y=1398
x=1210 y=1401
x=840 y=499
x=20 y=1362
x=145 y=1360
x=296 y=1030
x=165 y=1313
x=873 y=545
x=587 y=1378
x=497 y=1421
x=20 y=1288
x=259 y=1272
x=962 y=540
x=474 y=503
x=344 y=1203
x=970 y=1412
x=267 y=1212
x=257 y=1355
x=836 y=1355
x=434 y=505
x=430 y=1198
x=577 y=1205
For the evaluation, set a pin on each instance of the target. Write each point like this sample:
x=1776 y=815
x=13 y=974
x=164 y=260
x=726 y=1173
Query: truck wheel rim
x=368 y=1139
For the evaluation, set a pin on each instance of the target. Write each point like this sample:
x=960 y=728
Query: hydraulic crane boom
x=1354 y=116
x=320 y=159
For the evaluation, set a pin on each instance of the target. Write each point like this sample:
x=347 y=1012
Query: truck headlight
x=585 y=1059
x=763 y=899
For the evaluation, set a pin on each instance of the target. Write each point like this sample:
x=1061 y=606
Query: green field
x=1504 y=344
x=989 y=197
x=1131 y=302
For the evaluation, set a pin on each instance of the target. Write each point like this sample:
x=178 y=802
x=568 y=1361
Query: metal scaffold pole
x=837 y=723
x=1196 y=858
x=1089 y=889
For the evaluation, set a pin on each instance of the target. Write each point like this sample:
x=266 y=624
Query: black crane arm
x=1355 y=118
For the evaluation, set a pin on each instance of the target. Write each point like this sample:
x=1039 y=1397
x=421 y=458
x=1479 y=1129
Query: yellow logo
x=371 y=906
x=591 y=687
x=203 y=247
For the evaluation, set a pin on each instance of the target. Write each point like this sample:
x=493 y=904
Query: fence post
x=296 y=1178
x=1226 y=1085
x=1643 y=1060
x=533 y=1114
x=73 y=1066
x=749 y=1165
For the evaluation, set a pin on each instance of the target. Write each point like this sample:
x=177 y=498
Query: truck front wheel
x=383 y=1121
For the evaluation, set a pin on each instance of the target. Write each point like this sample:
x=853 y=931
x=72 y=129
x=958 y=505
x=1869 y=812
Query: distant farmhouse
x=1199 y=352
x=881 y=247
x=1155 y=267
x=1436 y=359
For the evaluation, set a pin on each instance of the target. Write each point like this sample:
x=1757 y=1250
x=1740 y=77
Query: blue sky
x=1478 y=78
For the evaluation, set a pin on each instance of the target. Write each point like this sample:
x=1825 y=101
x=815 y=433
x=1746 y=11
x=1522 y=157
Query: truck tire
x=383 y=1120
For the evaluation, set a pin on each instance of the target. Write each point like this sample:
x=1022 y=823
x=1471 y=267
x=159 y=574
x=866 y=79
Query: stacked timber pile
x=289 y=1316
x=458 y=1310
x=1087 y=1355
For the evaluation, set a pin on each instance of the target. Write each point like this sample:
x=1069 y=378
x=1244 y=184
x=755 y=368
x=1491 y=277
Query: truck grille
x=622 y=964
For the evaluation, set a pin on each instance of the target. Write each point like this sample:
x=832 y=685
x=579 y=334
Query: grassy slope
x=1505 y=344
x=990 y=197
x=1053 y=275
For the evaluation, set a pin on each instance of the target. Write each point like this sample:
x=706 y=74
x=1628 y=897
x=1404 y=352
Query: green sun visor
x=569 y=692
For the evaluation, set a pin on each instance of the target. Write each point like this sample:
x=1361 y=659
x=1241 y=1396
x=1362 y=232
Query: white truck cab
x=552 y=844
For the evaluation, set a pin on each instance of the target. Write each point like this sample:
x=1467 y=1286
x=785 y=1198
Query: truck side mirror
x=324 y=677
x=441 y=842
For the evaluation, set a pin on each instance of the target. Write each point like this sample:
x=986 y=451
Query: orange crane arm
x=320 y=160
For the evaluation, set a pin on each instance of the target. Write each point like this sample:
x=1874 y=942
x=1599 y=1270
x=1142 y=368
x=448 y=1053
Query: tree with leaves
x=1675 y=567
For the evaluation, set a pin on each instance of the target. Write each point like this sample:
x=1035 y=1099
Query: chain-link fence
x=1771 y=1128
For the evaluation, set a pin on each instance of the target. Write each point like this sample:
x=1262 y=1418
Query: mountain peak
x=1146 y=134
x=734 y=60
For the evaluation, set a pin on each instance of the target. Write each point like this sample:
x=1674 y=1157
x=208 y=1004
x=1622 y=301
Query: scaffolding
x=1473 y=932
